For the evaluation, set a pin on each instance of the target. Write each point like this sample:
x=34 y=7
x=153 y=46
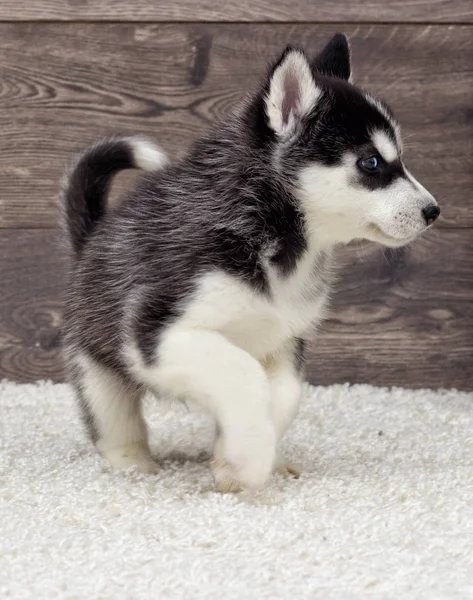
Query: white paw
x=132 y=455
x=251 y=454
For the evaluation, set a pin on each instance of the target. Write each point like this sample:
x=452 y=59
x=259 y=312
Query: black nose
x=430 y=213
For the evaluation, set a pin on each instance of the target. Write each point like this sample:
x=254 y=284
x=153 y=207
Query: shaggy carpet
x=383 y=509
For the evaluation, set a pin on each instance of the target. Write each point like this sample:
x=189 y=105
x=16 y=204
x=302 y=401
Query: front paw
x=251 y=454
x=244 y=460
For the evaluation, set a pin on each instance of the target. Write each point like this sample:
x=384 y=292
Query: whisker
x=410 y=135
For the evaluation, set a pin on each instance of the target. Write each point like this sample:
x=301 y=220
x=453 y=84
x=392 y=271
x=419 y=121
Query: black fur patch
x=299 y=353
x=87 y=415
x=88 y=187
x=344 y=122
x=383 y=177
x=334 y=60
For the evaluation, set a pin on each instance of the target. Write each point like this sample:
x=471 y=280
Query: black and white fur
x=208 y=278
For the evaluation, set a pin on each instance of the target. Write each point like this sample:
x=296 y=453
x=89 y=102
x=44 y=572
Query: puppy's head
x=341 y=150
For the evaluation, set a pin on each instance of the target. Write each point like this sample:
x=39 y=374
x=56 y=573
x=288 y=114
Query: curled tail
x=85 y=188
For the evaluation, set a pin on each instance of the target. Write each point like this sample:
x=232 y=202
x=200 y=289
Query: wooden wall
x=72 y=71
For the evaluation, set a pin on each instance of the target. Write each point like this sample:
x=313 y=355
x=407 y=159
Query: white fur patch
x=229 y=383
x=426 y=195
x=338 y=211
x=251 y=321
x=385 y=146
x=245 y=320
x=116 y=409
x=146 y=155
x=393 y=123
x=286 y=391
x=218 y=353
x=292 y=94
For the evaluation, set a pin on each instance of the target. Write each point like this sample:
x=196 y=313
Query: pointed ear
x=292 y=92
x=334 y=60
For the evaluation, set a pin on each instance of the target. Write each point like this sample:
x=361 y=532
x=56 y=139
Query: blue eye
x=369 y=164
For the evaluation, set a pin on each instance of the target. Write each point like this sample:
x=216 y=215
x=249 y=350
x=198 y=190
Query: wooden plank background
x=69 y=75
x=295 y=11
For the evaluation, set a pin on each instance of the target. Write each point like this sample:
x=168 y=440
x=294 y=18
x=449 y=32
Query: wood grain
x=64 y=85
x=32 y=271
x=425 y=11
x=403 y=318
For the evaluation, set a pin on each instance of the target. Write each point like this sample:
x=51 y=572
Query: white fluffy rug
x=383 y=509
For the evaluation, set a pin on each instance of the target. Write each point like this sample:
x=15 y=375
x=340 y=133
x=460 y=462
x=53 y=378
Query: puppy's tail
x=85 y=187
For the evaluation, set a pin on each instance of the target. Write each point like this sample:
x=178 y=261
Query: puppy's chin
x=375 y=234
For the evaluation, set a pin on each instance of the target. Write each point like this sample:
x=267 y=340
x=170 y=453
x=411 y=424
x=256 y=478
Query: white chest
x=259 y=323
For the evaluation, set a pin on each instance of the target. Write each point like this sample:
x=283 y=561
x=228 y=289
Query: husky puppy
x=206 y=281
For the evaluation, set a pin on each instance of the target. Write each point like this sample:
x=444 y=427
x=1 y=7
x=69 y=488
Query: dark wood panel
x=403 y=318
x=64 y=85
x=32 y=268
x=239 y=10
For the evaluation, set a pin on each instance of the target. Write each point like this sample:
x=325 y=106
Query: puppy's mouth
x=382 y=237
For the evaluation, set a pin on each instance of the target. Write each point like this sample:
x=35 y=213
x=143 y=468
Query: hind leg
x=112 y=412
